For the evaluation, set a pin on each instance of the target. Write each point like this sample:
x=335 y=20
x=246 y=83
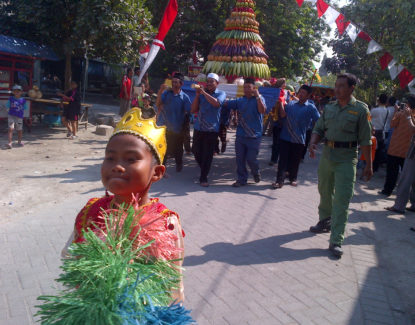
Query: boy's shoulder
x=156 y=206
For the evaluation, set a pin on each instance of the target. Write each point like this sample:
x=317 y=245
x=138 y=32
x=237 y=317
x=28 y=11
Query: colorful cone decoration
x=238 y=50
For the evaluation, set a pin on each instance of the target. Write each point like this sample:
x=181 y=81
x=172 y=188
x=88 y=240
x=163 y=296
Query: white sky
x=328 y=50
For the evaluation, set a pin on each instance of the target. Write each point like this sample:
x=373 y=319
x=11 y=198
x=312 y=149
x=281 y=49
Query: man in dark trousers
x=172 y=105
x=250 y=110
x=208 y=105
x=296 y=117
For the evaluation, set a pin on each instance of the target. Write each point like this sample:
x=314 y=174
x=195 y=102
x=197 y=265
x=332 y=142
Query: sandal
x=393 y=209
x=276 y=185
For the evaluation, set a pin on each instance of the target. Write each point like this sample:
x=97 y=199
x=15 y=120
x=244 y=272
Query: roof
x=18 y=46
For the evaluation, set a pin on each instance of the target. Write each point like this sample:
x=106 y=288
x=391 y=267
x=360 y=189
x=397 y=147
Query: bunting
x=342 y=24
x=332 y=17
x=405 y=77
x=384 y=60
x=321 y=7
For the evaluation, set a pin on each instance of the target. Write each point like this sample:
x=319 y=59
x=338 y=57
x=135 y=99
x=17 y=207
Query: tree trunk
x=68 y=70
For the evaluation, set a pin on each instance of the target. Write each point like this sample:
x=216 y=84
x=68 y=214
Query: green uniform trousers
x=335 y=185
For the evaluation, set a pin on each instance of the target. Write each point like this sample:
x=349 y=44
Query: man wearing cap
x=249 y=109
x=344 y=124
x=172 y=104
x=16 y=105
x=208 y=106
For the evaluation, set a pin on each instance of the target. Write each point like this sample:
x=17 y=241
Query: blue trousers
x=246 y=150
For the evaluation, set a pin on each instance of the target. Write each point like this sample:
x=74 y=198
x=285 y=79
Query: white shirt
x=391 y=111
x=379 y=115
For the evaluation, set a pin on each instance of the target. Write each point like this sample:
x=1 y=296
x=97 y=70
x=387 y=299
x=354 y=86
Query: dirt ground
x=48 y=167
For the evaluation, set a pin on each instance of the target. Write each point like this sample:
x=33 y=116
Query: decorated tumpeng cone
x=238 y=50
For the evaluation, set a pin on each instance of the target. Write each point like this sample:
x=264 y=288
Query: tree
x=111 y=30
x=292 y=36
x=390 y=23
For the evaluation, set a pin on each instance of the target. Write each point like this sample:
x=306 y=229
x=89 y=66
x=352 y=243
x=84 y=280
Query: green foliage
x=390 y=23
x=113 y=30
x=292 y=35
x=99 y=273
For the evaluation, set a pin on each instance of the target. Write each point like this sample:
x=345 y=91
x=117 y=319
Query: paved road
x=249 y=256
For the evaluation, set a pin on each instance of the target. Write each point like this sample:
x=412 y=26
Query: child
x=133 y=161
x=373 y=151
x=72 y=110
x=16 y=106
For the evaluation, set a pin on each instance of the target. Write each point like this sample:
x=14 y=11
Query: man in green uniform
x=344 y=124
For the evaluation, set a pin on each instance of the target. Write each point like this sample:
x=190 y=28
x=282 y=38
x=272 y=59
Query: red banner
x=384 y=60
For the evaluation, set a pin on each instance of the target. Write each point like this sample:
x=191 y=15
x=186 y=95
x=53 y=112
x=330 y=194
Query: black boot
x=322 y=226
x=336 y=250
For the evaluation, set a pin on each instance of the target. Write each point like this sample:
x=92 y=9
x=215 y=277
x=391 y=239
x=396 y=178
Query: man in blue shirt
x=208 y=105
x=296 y=118
x=249 y=109
x=172 y=105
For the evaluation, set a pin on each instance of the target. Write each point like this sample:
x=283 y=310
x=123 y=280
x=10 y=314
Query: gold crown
x=145 y=129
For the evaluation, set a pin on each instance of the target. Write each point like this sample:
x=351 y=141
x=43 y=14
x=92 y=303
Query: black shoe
x=321 y=226
x=271 y=163
x=383 y=192
x=336 y=250
x=179 y=168
x=237 y=184
x=257 y=178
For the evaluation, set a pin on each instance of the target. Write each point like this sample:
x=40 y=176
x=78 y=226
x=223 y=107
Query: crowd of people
x=384 y=135
x=346 y=126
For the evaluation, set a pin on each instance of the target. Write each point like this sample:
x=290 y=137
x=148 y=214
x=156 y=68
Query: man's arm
x=262 y=108
x=315 y=139
x=196 y=102
x=368 y=171
x=281 y=109
x=159 y=101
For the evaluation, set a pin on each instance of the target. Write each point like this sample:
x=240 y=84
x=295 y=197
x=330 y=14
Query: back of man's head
x=411 y=101
x=383 y=99
x=392 y=101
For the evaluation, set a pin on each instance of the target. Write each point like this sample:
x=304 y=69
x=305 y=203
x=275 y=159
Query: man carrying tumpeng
x=208 y=106
x=344 y=125
x=249 y=109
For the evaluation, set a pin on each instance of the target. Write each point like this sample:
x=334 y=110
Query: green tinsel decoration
x=98 y=272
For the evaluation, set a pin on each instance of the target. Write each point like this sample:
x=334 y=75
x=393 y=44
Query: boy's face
x=128 y=166
x=17 y=93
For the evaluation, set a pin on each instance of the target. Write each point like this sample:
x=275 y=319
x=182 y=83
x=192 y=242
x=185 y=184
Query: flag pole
x=312 y=78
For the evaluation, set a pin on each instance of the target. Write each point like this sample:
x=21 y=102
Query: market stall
x=17 y=58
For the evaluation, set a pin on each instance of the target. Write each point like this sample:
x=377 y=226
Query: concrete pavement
x=249 y=256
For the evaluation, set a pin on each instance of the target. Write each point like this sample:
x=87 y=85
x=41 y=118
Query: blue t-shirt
x=16 y=107
x=249 y=119
x=174 y=110
x=298 y=120
x=208 y=116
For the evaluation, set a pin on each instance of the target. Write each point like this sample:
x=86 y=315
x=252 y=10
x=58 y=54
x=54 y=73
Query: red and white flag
x=342 y=24
x=330 y=16
x=169 y=16
x=394 y=69
x=321 y=7
x=405 y=77
x=352 y=31
x=373 y=47
x=411 y=86
x=384 y=60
